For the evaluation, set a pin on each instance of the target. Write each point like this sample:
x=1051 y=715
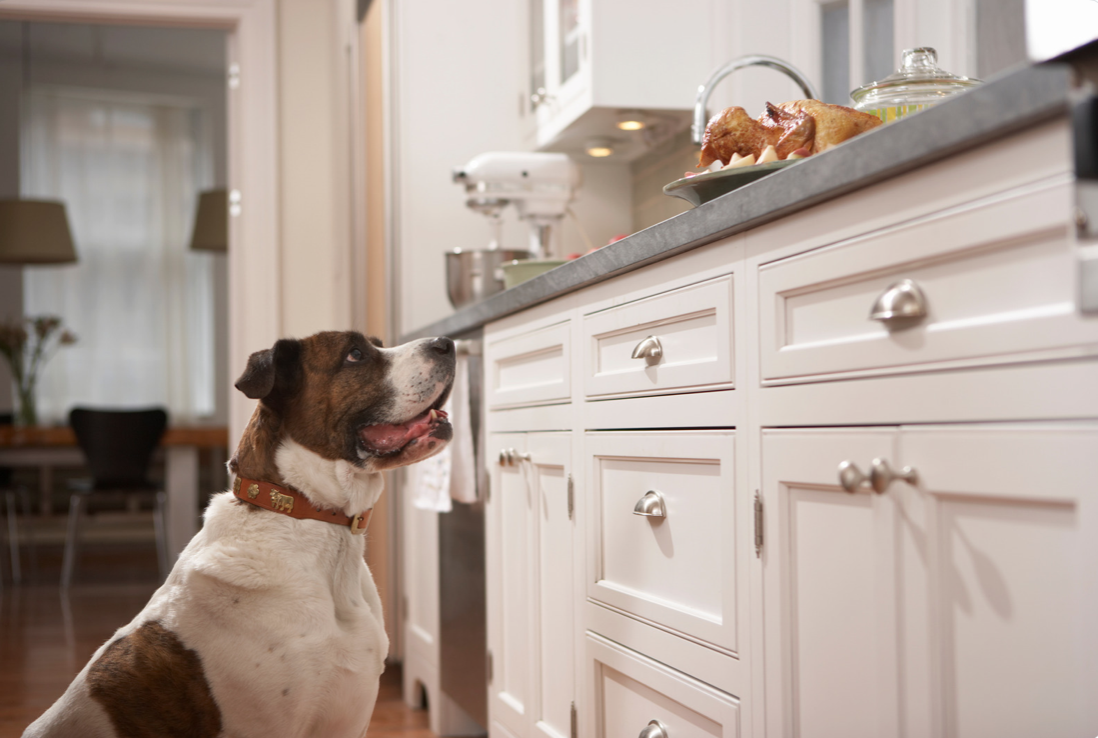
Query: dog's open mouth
x=387 y=440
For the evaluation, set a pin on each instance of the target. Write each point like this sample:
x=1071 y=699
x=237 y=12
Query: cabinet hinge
x=574 y=732
x=487 y=488
x=758 y=524
x=234 y=76
x=404 y=607
x=488 y=658
x=571 y=496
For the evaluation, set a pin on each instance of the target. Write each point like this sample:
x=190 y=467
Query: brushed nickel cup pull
x=902 y=303
x=654 y=729
x=650 y=349
x=851 y=477
x=651 y=506
x=881 y=475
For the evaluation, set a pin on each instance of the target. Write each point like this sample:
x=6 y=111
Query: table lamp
x=35 y=232
x=211 y=222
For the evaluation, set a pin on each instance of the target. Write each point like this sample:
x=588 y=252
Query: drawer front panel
x=694 y=328
x=997 y=278
x=631 y=690
x=530 y=368
x=677 y=569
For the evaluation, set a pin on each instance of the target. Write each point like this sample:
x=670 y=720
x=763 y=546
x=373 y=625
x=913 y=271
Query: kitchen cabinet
x=530 y=540
x=948 y=592
x=951 y=603
x=590 y=60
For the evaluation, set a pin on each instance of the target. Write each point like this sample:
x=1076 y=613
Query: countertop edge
x=1002 y=106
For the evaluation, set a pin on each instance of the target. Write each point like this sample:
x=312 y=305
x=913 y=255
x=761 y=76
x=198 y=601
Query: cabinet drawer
x=694 y=328
x=998 y=279
x=630 y=691
x=529 y=368
x=677 y=570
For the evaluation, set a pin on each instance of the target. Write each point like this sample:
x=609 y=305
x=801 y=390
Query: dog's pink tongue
x=389 y=438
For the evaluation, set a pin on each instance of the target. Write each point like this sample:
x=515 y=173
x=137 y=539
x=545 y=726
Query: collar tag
x=359 y=523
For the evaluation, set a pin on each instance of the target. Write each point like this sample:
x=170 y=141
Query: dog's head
x=344 y=397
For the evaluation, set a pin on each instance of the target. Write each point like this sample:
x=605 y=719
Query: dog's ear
x=271 y=370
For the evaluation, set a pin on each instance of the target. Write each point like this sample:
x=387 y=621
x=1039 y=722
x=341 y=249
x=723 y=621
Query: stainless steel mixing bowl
x=474 y=274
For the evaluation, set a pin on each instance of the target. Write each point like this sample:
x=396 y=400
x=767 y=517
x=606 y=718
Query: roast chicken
x=798 y=124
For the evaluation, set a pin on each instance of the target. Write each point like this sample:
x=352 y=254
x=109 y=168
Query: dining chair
x=118 y=446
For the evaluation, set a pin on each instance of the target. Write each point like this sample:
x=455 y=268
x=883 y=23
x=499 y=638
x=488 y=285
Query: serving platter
x=702 y=188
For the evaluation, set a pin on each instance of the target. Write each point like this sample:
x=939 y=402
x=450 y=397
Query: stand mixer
x=540 y=185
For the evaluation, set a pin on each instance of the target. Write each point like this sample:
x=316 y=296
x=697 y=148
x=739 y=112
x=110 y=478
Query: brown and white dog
x=270 y=625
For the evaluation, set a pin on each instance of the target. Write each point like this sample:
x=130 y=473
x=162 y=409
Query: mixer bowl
x=474 y=274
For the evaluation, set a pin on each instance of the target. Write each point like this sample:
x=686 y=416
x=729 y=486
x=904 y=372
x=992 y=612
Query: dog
x=270 y=624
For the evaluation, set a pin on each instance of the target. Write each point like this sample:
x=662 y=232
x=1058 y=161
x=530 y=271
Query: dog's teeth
x=432 y=414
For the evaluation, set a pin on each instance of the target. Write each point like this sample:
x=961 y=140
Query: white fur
x=271 y=603
x=337 y=484
x=416 y=380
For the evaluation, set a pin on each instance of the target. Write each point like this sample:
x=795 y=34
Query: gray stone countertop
x=998 y=108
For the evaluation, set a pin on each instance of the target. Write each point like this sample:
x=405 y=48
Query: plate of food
x=699 y=188
x=752 y=148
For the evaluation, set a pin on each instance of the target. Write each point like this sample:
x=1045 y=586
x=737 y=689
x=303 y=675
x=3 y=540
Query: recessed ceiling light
x=631 y=120
x=599 y=147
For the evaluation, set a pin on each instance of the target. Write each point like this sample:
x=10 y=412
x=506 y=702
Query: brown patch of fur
x=151 y=685
x=332 y=392
x=255 y=454
x=328 y=398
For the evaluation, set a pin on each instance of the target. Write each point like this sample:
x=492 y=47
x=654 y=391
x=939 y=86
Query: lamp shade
x=35 y=232
x=211 y=222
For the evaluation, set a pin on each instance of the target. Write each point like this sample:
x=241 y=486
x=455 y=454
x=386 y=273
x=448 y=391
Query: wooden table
x=47 y=447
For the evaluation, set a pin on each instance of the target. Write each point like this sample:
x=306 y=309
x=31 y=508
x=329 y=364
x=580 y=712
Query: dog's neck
x=268 y=454
x=335 y=484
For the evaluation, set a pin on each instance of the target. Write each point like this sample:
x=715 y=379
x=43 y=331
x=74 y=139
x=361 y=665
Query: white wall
x=455 y=95
x=315 y=157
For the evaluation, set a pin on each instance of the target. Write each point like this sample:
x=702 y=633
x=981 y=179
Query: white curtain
x=129 y=170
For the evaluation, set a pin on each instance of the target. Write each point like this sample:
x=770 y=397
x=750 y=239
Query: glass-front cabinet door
x=558 y=55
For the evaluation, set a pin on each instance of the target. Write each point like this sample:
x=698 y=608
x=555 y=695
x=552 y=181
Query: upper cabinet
x=589 y=62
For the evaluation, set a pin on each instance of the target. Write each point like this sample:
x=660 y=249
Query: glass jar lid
x=918 y=81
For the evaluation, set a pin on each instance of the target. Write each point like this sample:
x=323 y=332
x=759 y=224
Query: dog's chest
x=300 y=649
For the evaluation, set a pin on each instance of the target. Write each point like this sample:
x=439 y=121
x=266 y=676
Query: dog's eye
x=354 y=355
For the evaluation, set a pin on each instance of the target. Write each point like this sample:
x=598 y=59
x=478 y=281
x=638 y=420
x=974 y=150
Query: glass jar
x=917 y=84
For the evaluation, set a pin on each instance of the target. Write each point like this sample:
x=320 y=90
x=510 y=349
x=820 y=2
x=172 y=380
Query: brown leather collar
x=294 y=504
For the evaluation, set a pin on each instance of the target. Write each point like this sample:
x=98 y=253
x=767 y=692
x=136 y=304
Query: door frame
x=255 y=257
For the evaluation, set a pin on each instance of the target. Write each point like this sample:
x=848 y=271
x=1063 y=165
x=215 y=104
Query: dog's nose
x=442 y=345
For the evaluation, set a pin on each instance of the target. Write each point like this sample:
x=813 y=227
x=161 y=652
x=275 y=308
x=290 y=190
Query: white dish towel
x=451 y=473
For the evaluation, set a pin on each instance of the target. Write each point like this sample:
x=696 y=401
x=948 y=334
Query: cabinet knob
x=651 y=505
x=539 y=96
x=510 y=457
x=650 y=349
x=851 y=477
x=654 y=729
x=903 y=303
x=881 y=475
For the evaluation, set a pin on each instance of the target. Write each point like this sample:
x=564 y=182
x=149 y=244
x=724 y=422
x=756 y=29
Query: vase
x=26 y=414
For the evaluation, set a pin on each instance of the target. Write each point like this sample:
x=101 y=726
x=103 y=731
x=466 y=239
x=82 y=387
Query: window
x=129 y=168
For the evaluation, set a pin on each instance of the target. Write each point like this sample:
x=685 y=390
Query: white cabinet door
x=1004 y=523
x=508 y=514
x=830 y=603
x=531 y=586
x=960 y=604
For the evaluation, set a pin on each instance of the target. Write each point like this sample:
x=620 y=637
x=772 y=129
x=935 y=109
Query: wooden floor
x=47 y=638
